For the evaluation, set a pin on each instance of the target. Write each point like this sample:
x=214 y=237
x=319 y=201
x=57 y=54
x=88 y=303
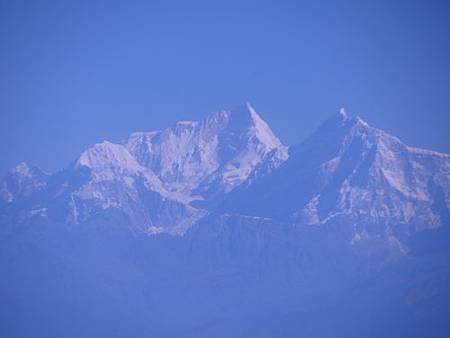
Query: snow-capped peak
x=22 y=169
x=356 y=174
x=106 y=154
x=260 y=127
x=218 y=152
x=22 y=180
x=108 y=161
x=343 y=113
x=346 y=169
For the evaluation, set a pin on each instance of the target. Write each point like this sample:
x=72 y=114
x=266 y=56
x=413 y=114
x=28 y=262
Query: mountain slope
x=213 y=156
x=105 y=182
x=359 y=178
x=147 y=183
x=347 y=237
x=350 y=173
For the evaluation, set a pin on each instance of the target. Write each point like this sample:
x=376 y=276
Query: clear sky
x=73 y=73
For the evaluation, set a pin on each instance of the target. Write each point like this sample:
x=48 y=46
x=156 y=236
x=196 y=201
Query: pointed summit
x=340 y=117
x=106 y=159
x=213 y=155
x=338 y=125
x=246 y=110
x=240 y=117
x=351 y=173
x=346 y=171
x=22 y=169
x=247 y=118
x=22 y=180
x=343 y=113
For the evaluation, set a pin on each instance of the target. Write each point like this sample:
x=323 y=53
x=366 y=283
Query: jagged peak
x=244 y=113
x=343 y=126
x=246 y=110
x=243 y=119
x=21 y=179
x=23 y=169
x=340 y=129
x=335 y=123
x=254 y=124
x=343 y=119
x=104 y=146
x=106 y=154
x=343 y=113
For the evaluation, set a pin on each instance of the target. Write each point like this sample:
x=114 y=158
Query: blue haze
x=348 y=236
x=75 y=73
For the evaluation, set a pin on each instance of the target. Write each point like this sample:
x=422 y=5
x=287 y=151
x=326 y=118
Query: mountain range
x=215 y=228
x=231 y=162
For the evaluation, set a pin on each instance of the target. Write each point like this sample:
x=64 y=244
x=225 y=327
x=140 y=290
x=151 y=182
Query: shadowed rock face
x=345 y=173
x=345 y=236
x=150 y=180
x=209 y=157
x=348 y=172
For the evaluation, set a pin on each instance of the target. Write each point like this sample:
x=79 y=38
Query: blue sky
x=76 y=72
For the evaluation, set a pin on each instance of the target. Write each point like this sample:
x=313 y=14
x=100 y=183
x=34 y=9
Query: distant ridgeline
x=214 y=228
